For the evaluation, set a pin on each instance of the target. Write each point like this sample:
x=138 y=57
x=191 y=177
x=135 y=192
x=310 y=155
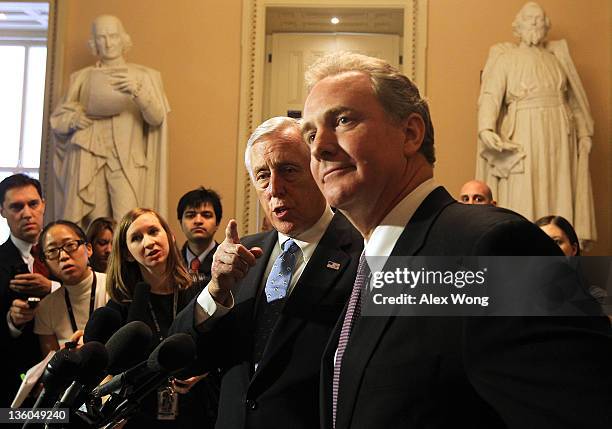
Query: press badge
x=167 y=403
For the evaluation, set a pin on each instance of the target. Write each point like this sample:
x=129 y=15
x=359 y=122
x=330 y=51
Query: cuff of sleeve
x=208 y=308
x=13 y=330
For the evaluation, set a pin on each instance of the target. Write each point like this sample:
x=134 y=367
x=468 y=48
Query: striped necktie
x=352 y=313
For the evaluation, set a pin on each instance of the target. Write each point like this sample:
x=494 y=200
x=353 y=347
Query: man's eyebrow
x=330 y=113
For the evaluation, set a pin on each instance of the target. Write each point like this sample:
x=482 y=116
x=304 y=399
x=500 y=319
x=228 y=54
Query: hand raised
x=20 y=312
x=33 y=284
x=231 y=263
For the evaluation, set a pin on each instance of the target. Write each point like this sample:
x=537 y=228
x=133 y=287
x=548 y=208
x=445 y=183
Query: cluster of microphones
x=72 y=377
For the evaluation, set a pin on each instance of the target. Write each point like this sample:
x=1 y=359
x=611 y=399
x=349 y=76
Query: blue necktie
x=282 y=270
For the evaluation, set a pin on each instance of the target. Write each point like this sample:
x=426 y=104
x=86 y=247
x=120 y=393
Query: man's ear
x=414 y=132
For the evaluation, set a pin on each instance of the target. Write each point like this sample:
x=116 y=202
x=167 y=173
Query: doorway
x=266 y=24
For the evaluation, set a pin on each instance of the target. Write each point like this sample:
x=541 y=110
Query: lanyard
x=154 y=317
x=92 y=300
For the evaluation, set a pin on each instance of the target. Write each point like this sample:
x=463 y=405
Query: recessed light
x=335 y=20
x=3 y=17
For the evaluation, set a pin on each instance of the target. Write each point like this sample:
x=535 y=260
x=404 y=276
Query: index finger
x=231 y=232
x=25 y=276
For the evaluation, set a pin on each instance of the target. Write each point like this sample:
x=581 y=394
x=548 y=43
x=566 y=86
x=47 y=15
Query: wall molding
x=414 y=49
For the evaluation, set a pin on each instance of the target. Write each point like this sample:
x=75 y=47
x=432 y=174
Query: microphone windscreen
x=64 y=365
x=128 y=346
x=102 y=324
x=175 y=352
x=140 y=302
x=94 y=360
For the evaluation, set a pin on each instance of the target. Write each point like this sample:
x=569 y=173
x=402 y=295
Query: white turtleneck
x=52 y=314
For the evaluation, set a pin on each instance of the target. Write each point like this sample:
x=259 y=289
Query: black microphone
x=140 y=302
x=128 y=346
x=59 y=373
x=94 y=360
x=172 y=354
x=102 y=324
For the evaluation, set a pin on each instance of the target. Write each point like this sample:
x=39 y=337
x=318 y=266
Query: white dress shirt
x=306 y=241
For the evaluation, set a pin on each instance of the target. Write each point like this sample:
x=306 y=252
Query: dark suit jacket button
x=251 y=404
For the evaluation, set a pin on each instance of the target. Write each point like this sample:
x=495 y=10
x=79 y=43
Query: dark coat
x=283 y=391
x=489 y=372
x=21 y=353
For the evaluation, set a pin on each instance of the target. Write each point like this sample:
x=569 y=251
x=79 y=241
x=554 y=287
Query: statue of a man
x=110 y=133
x=535 y=127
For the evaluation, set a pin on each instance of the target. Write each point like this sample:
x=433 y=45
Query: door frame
x=253 y=45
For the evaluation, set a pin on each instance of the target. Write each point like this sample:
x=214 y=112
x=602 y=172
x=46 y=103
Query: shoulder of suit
x=7 y=250
x=504 y=229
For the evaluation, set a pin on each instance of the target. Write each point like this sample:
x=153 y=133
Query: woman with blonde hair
x=144 y=251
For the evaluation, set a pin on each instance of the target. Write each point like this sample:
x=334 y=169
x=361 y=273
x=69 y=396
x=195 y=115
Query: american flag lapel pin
x=333 y=265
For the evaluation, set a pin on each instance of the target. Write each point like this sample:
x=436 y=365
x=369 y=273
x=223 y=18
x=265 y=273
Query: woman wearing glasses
x=65 y=312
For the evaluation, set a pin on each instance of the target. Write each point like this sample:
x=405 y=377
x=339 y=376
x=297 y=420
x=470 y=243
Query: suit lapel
x=313 y=286
x=367 y=332
x=248 y=288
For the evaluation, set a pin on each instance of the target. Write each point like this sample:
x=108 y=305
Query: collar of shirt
x=24 y=249
x=83 y=287
x=190 y=255
x=385 y=235
x=307 y=241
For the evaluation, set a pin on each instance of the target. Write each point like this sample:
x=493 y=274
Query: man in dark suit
x=22 y=274
x=199 y=211
x=371 y=141
x=290 y=285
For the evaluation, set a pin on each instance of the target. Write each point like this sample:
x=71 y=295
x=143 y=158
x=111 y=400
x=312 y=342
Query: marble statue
x=110 y=134
x=535 y=127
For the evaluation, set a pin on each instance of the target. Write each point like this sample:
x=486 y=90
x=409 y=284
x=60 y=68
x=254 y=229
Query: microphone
x=94 y=360
x=172 y=354
x=128 y=346
x=102 y=324
x=59 y=372
x=140 y=302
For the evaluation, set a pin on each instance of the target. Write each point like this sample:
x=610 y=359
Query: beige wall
x=460 y=35
x=195 y=44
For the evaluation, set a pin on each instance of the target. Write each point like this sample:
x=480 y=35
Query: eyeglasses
x=69 y=247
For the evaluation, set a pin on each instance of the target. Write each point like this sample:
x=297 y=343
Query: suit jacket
x=489 y=372
x=205 y=265
x=22 y=352
x=283 y=391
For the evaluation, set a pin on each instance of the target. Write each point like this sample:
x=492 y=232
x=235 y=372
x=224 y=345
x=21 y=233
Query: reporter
x=144 y=250
x=62 y=315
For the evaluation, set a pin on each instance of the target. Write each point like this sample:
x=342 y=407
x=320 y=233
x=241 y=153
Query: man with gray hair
x=371 y=141
x=110 y=134
x=290 y=285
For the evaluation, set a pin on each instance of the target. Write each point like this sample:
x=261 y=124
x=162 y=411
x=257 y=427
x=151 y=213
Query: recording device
x=59 y=373
x=91 y=371
x=140 y=301
x=102 y=324
x=33 y=301
x=128 y=346
x=129 y=388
